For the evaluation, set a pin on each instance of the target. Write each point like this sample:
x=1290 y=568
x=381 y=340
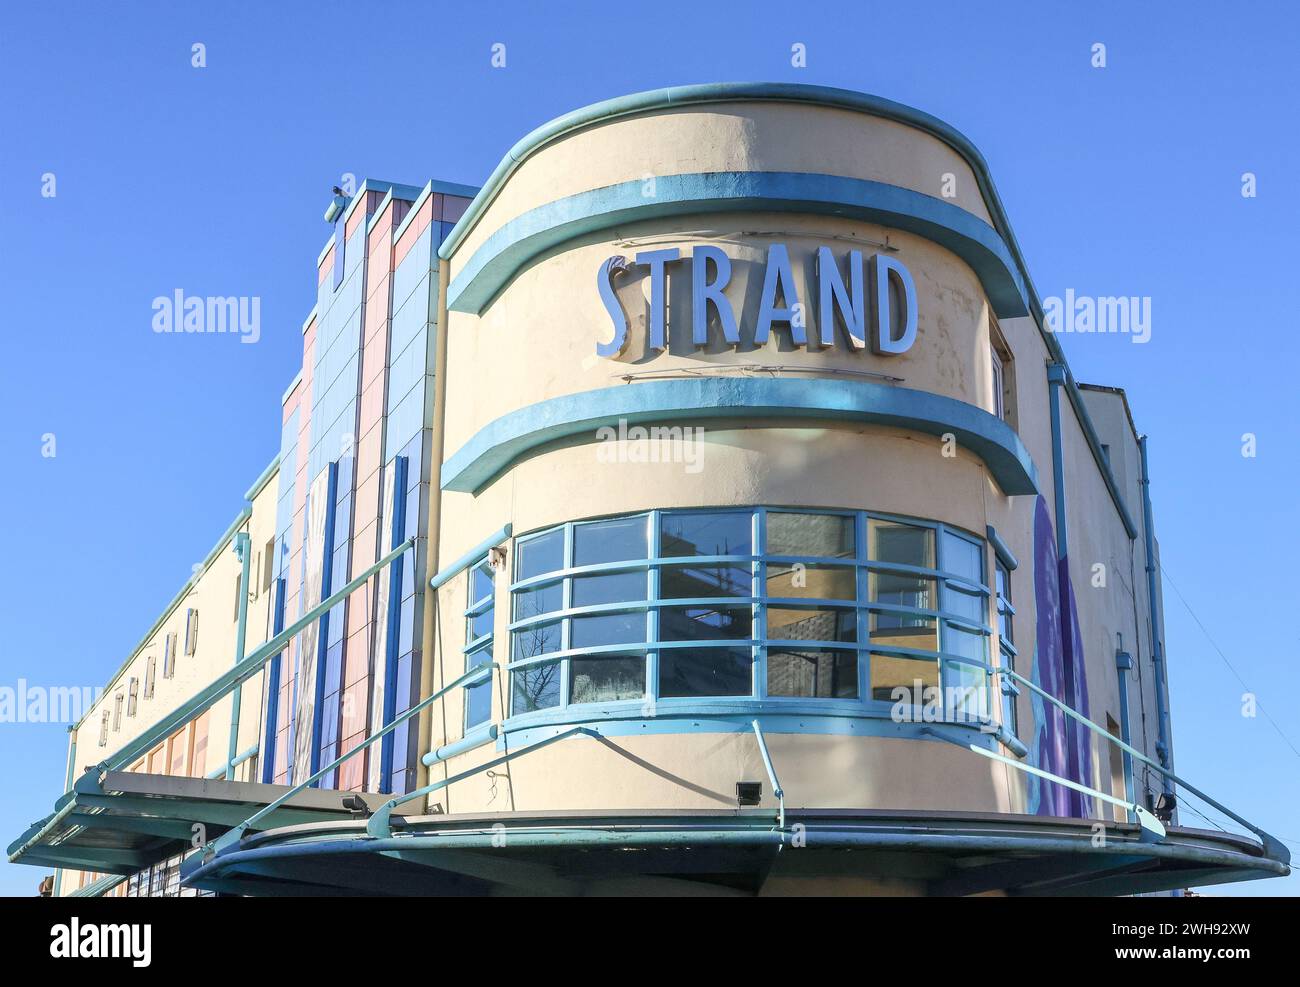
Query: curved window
x=843 y=608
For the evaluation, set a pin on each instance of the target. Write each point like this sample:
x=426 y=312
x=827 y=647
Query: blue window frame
x=777 y=606
x=1006 y=644
x=479 y=617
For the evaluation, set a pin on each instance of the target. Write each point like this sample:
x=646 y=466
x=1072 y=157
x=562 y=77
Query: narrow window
x=117 y=712
x=999 y=407
x=132 y=696
x=103 y=729
x=479 y=617
x=150 y=670
x=1003 y=375
x=1006 y=646
x=169 y=655
x=268 y=565
x=191 y=631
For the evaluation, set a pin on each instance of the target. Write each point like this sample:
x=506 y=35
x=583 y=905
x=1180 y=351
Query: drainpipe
x=1123 y=665
x=1157 y=646
x=1055 y=380
x=423 y=772
x=242 y=543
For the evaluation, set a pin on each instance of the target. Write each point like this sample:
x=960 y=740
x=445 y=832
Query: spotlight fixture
x=1165 y=805
x=356 y=805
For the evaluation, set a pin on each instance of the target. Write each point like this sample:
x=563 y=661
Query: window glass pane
x=544 y=553
x=610 y=628
x=891 y=672
x=535 y=688
x=711 y=533
x=1001 y=581
x=606 y=680
x=481 y=583
x=819 y=582
x=609 y=541
x=482 y=624
x=959 y=601
x=704 y=623
x=963 y=558
x=535 y=602
x=965 y=691
x=687 y=582
x=901 y=589
x=540 y=639
x=903 y=544
x=478 y=698
x=705 y=672
x=959 y=641
x=902 y=630
x=806 y=624
x=616 y=587
x=828 y=535
x=814 y=674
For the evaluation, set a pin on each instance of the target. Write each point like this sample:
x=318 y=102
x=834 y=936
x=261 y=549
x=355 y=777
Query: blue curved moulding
x=527 y=237
x=745 y=401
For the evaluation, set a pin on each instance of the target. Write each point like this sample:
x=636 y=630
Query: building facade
x=700 y=506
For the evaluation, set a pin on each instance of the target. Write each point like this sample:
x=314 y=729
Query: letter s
x=605 y=282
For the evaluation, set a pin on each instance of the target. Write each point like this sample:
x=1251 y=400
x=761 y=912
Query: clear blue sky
x=1119 y=181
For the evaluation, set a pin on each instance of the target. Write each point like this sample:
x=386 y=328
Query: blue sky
x=1118 y=181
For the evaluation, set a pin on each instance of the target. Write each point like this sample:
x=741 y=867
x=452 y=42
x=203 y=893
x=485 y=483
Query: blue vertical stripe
x=398 y=507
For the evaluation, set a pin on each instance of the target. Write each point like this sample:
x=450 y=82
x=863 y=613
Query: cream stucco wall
x=211 y=591
x=536 y=341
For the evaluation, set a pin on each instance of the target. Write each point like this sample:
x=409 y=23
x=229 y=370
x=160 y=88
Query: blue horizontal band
x=527 y=237
x=578 y=417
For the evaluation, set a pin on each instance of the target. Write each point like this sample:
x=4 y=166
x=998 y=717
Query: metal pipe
x=238 y=673
x=1273 y=846
x=242 y=545
x=235 y=762
x=474 y=739
x=1055 y=381
x=380 y=827
x=1152 y=828
x=431 y=648
x=1157 y=647
x=472 y=677
x=771 y=776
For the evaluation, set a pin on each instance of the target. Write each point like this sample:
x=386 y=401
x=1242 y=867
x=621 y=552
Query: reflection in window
x=808 y=624
x=823 y=535
x=811 y=581
x=609 y=541
x=901 y=544
x=705 y=672
x=675 y=605
x=707 y=533
x=606 y=679
x=535 y=687
x=705 y=623
x=688 y=582
x=815 y=674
